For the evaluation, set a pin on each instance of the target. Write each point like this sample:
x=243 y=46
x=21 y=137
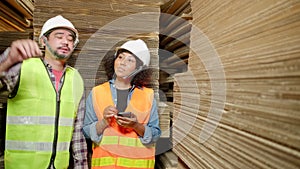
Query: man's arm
x=2 y=58
x=9 y=78
x=79 y=145
x=16 y=53
x=19 y=51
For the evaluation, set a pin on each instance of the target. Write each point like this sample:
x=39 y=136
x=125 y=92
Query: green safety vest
x=31 y=129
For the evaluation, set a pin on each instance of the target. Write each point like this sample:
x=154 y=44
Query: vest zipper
x=55 y=134
x=52 y=159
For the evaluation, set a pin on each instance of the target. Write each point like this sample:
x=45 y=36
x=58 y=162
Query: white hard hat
x=139 y=49
x=59 y=22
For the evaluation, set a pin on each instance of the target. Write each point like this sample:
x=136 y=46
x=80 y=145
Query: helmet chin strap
x=54 y=53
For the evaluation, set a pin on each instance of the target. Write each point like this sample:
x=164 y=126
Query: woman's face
x=125 y=64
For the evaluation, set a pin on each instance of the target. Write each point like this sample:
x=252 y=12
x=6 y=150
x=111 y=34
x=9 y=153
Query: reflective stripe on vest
x=36 y=120
x=36 y=146
x=124 y=141
x=122 y=162
x=31 y=118
x=121 y=147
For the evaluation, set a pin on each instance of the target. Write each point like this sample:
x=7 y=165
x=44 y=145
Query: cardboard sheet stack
x=238 y=104
x=174 y=50
x=168 y=160
x=174 y=40
x=16 y=15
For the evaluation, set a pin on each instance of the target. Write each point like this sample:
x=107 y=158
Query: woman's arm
x=152 y=129
x=90 y=121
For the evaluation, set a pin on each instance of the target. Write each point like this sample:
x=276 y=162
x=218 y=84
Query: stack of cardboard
x=16 y=15
x=175 y=29
x=238 y=104
x=174 y=50
x=174 y=35
x=168 y=160
x=8 y=37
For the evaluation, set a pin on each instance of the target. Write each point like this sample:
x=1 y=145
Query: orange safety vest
x=121 y=148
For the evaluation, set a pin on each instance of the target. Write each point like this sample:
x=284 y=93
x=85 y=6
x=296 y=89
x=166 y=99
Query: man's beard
x=60 y=56
x=55 y=54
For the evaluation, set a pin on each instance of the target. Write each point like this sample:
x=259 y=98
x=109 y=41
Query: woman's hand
x=131 y=122
x=127 y=122
x=109 y=112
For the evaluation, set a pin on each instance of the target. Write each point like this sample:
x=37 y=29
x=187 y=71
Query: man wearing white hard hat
x=121 y=114
x=45 y=106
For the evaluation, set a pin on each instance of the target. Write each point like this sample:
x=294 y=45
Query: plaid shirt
x=9 y=80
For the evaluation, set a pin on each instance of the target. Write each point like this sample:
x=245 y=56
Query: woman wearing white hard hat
x=45 y=106
x=121 y=114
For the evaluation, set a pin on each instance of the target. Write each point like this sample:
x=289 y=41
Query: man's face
x=62 y=42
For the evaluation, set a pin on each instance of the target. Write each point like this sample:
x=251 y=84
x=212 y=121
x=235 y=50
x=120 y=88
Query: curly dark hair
x=141 y=79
